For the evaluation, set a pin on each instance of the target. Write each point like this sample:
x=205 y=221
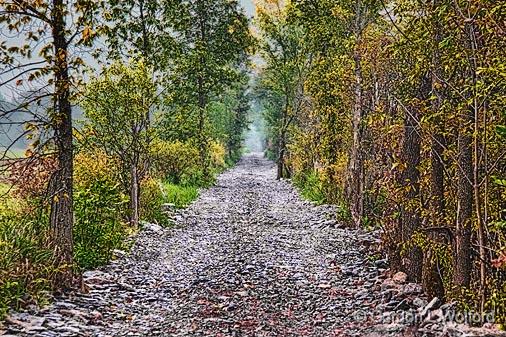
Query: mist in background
x=255 y=139
x=249 y=7
x=12 y=128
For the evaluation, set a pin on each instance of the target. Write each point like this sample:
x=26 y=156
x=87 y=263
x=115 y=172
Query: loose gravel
x=248 y=258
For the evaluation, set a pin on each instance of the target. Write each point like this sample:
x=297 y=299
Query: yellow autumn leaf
x=87 y=33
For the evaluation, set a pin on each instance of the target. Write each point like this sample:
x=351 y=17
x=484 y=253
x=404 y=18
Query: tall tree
x=211 y=40
x=138 y=27
x=281 y=86
x=116 y=105
x=43 y=71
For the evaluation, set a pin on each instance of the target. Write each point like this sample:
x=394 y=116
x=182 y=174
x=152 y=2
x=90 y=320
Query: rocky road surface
x=248 y=258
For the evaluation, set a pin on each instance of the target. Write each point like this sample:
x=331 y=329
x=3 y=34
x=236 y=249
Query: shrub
x=217 y=155
x=99 y=227
x=99 y=207
x=310 y=186
x=9 y=204
x=95 y=165
x=152 y=199
x=175 y=161
x=30 y=176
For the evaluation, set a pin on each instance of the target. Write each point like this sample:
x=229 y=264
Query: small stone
x=419 y=303
x=117 y=253
x=324 y=286
x=153 y=227
x=383 y=263
x=400 y=278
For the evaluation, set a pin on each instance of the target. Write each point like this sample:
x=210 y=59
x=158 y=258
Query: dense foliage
x=116 y=141
x=396 y=114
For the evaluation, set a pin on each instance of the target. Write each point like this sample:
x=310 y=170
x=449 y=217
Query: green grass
x=180 y=196
x=25 y=265
x=25 y=262
x=310 y=188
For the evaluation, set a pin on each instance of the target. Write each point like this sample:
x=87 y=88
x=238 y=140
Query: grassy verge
x=25 y=262
x=178 y=195
x=310 y=187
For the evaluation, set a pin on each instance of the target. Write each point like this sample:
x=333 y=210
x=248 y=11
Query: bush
x=151 y=200
x=99 y=207
x=95 y=165
x=310 y=187
x=174 y=161
x=99 y=227
x=9 y=204
x=217 y=154
x=30 y=176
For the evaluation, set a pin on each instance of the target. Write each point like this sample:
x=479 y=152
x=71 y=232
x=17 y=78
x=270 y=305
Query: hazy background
x=249 y=7
x=9 y=133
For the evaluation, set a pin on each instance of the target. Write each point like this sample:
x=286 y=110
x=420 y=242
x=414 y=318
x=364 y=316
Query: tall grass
x=25 y=260
x=310 y=187
x=179 y=195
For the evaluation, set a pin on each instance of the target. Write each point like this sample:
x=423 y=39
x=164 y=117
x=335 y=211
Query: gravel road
x=248 y=258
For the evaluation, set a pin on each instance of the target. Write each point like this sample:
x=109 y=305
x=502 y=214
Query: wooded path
x=248 y=258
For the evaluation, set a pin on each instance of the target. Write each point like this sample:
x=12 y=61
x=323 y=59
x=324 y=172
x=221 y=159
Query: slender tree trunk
x=462 y=245
x=412 y=260
x=203 y=148
x=482 y=218
x=202 y=94
x=285 y=123
x=134 y=194
x=431 y=276
x=478 y=166
x=146 y=50
x=356 y=169
x=281 y=172
x=61 y=215
x=465 y=174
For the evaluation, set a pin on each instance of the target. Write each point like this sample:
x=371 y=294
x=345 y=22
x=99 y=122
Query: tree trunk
x=134 y=195
x=61 y=214
x=412 y=260
x=462 y=245
x=203 y=149
x=465 y=174
x=356 y=169
x=202 y=94
x=281 y=158
x=431 y=277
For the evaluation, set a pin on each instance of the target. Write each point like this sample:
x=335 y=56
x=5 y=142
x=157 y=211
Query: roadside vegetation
x=90 y=154
x=395 y=111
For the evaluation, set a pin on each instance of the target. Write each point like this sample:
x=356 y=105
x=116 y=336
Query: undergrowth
x=310 y=187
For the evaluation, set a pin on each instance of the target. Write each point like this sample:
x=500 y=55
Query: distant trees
x=404 y=110
x=211 y=41
x=281 y=87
